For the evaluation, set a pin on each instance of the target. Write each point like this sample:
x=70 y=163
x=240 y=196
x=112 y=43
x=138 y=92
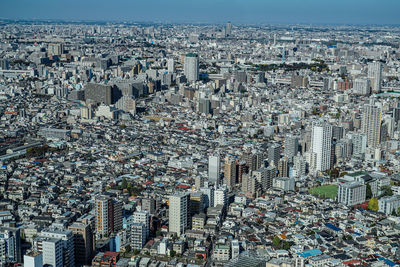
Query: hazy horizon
x=340 y=12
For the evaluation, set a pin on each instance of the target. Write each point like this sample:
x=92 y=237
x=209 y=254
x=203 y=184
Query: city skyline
x=176 y=11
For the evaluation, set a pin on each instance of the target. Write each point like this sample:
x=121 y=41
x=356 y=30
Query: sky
x=209 y=11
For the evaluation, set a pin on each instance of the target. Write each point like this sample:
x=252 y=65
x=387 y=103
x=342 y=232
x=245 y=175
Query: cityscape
x=161 y=144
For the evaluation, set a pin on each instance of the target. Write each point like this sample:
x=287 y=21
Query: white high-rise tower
x=178 y=213
x=375 y=75
x=322 y=145
x=214 y=168
x=191 y=67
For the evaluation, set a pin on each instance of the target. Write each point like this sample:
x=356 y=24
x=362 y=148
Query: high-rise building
x=274 y=154
x=220 y=197
x=204 y=106
x=375 y=75
x=199 y=181
x=142 y=217
x=52 y=249
x=138 y=235
x=101 y=93
x=33 y=259
x=67 y=241
x=83 y=243
x=322 y=145
x=230 y=172
x=104 y=216
x=291 y=146
x=214 y=169
x=283 y=167
x=371 y=124
x=171 y=65
x=208 y=193
x=178 y=213
x=228 y=29
x=196 y=203
x=299 y=166
x=149 y=205
x=265 y=176
x=55 y=49
x=4 y=65
x=250 y=185
x=241 y=168
x=254 y=160
x=10 y=245
x=191 y=67
x=359 y=142
x=362 y=86
x=108 y=215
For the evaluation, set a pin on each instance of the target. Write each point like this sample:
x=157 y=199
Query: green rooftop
x=191 y=55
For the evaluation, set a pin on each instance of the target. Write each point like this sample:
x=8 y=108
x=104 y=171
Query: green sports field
x=330 y=191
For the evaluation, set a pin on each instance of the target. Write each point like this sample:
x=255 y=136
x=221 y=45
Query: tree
x=276 y=241
x=386 y=191
x=373 y=204
x=286 y=245
x=368 y=194
x=172 y=253
x=136 y=252
x=124 y=183
x=398 y=211
x=394 y=212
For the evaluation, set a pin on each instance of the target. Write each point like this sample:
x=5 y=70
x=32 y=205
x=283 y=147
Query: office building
x=322 y=145
x=178 y=213
x=191 y=67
